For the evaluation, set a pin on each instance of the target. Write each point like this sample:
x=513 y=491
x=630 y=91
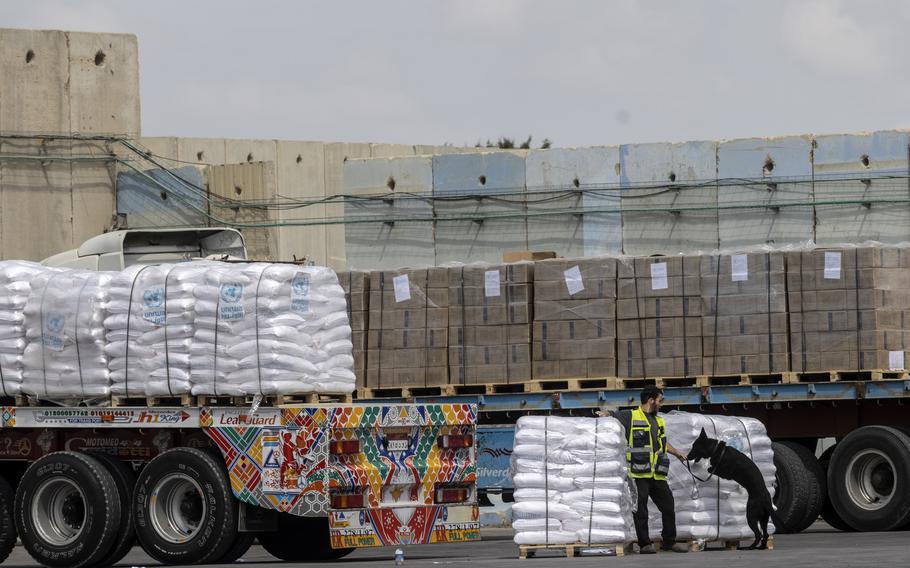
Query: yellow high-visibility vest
x=647 y=460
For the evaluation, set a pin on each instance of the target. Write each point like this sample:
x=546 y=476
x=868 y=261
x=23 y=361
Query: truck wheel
x=125 y=480
x=794 y=488
x=67 y=510
x=183 y=508
x=817 y=487
x=7 y=524
x=241 y=545
x=828 y=513
x=869 y=479
x=284 y=545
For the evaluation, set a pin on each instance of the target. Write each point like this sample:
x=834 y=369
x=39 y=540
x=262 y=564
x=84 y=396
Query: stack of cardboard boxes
x=408 y=328
x=658 y=314
x=744 y=321
x=574 y=332
x=848 y=308
x=356 y=285
x=489 y=323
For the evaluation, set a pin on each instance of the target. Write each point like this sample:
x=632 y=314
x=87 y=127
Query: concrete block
x=93 y=189
x=202 y=150
x=238 y=185
x=36 y=208
x=301 y=176
x=497 y=174
x=161 y=146
x=154 y=198
x=668 y=197
x=854 y=168
x=104 y=83
x=335 y=156
x=778 y=218
x=591 y=174
x=249 y=151
x=391 y=150
x=393 y=185
x=34 y=67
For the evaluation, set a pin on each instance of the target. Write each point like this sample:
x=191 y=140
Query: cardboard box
x=527 y=255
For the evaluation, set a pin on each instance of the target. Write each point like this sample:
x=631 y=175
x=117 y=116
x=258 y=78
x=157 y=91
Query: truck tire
x=125 y=479
x=794 y=490
x=283 y=544
x=828 y=513
x=67 y=510
x=7 y=523
x=818 y=485
x=869 y=479
x=183 y=508
x=241 y=545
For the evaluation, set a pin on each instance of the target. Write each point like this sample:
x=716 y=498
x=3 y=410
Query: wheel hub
x=58 y=511
x=870 y=479
x=177 y=508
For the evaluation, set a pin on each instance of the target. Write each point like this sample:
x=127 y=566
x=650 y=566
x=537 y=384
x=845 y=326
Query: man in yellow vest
x=649 y=464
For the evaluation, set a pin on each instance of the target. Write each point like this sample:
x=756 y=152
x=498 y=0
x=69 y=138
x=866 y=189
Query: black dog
x=730 y=463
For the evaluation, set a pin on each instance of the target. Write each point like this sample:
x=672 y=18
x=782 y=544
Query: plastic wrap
x=848 y=308
x=489 y=323
x=570 y=481
x=715 y=509
x=149 y=328
x=744 y=322
x=574 y=331
x=659 y=317
x=64 y=321
x=270 y=329
x=15 y=276
x=408 y=328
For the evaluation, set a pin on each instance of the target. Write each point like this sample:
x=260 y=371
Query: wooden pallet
x=150 y=401
x=526 y=551
x=848 y=375
x=308 y=398
x=659 y=382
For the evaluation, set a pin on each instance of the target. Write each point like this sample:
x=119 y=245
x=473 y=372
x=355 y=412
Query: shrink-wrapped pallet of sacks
x=570 y=479
x=270 y=329
x=715 y=509
x=15 y=276
x=149 y=328
x=64 y=321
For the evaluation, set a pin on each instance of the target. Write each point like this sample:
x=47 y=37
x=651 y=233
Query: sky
x=581 y=73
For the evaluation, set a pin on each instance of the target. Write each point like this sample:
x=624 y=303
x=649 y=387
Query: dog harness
x=647 y=459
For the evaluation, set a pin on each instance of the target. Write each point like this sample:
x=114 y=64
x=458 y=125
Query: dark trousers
x=659 y=492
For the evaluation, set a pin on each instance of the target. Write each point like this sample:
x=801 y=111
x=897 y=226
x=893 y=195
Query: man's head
x=651 y=399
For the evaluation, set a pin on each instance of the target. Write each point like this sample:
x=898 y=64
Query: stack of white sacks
x=715 y=510
x=271 y=329
x=587 y=496
x=150 y=328
x=584 y=495
x=14 y=288
x=64 y=330
x=206 y=328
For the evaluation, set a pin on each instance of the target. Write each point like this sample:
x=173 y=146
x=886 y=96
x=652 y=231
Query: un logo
x=153 y=297
x=55 y=323
x=231 y=292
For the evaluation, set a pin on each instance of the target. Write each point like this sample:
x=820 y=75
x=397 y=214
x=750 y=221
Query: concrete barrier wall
x=665 y=198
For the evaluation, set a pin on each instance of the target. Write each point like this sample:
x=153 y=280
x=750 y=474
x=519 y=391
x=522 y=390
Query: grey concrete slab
x=760 y=213
x=301 y=178
x=854 y=167
x=668 y=197
x=479 y=229
x=336 y=154
x=394 y=192
x=34 y=93
x=104 y=83
x=591 y=175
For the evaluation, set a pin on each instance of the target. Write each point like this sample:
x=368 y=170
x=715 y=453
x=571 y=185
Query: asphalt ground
x=819 y=546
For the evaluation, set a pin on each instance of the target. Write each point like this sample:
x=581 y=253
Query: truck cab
x=117 y=250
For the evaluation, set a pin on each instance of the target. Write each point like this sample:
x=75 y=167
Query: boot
x=647 y=549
